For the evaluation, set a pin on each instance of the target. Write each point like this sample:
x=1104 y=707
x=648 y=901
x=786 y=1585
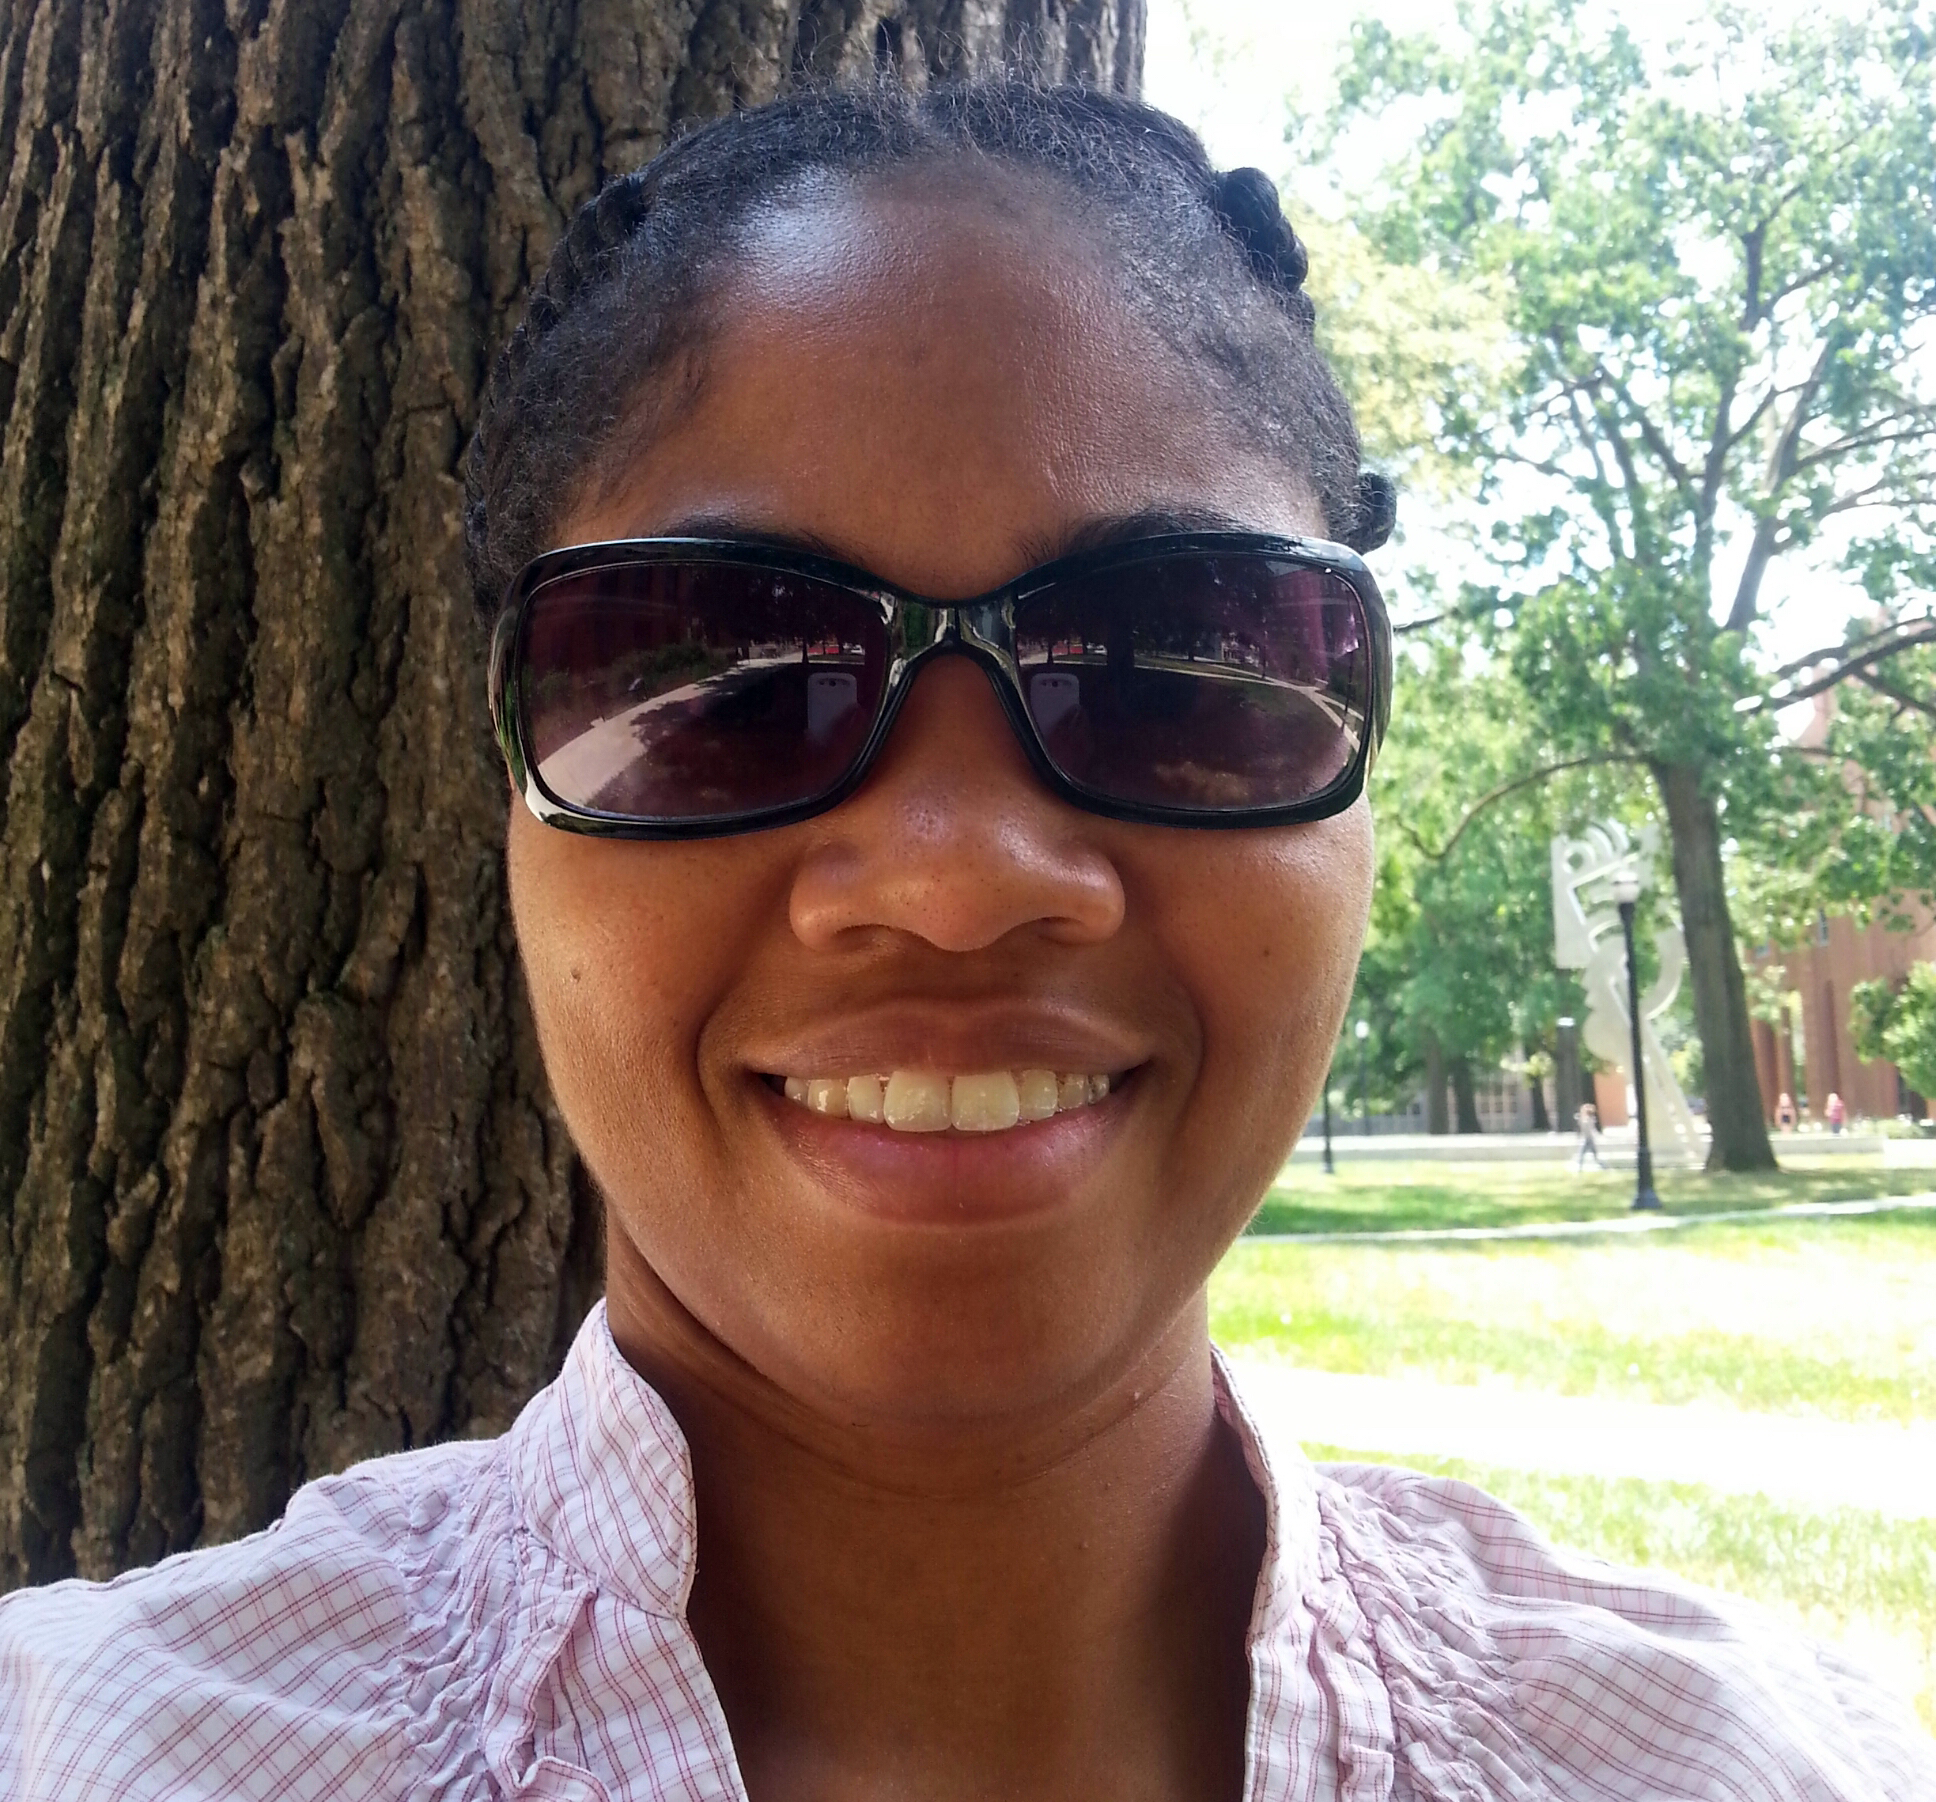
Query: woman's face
x=945 y=391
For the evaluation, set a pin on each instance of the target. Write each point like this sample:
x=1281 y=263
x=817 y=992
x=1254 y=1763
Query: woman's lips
x=954 y=1174
x=937 y=1110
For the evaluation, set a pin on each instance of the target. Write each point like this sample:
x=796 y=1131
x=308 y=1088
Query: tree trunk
x=1536 y=1092
x=1734 y=1114
x=1437 y=1120
x=1465 y=1103
x=283 y=1185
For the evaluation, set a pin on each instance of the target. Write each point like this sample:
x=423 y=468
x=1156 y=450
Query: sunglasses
x=684 y=688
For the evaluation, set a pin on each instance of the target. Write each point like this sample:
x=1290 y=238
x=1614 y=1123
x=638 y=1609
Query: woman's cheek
x=622 y=977
x=1271 y=930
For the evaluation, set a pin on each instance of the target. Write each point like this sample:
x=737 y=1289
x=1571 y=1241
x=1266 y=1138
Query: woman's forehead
x=939 y=384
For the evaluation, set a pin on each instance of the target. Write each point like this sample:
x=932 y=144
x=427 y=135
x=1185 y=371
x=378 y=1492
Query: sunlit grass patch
x=1836 y=1317
x=1846 y=1575
x=1380 y=1196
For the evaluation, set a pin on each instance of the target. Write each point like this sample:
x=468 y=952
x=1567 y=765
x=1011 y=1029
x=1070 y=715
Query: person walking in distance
x=1588 y=1122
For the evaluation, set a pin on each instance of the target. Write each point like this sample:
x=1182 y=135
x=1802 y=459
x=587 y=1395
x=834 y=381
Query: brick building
x=1809 y=1054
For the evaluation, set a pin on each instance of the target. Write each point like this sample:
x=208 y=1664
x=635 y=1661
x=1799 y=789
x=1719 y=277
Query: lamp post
x=1363 y=1032
x=1626 y=891
x=1569 y=1092
x=1329 y=1167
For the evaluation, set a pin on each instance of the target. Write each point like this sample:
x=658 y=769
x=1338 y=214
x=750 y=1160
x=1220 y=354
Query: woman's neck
x=1061 y=1614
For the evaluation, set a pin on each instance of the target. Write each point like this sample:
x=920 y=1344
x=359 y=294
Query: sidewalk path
x=1794 y=1459
x=1587 y=1229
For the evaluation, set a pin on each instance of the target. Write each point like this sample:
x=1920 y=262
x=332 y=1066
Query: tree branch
x=1601 y=494
x=1510 y=788
x=1603 y=486
x=1747 y=592
x=1857 y=497
x=1746 y=427
x=1655 y=440
x=1781 y=460
x=1753 y=242
x=1870 y=439
x=1855 y=647
x=1807 y=279
x=1780 y=472
x=1545 y=466
x=1642 y=530
x=1902 y=698
x=1850 y=666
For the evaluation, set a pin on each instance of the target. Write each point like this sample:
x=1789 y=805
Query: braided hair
x=616 y=326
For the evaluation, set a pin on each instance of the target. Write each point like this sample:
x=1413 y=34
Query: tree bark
x=1740 y=1134
x=1465 y=1103
x=1437 y=1119
x=282 y=1183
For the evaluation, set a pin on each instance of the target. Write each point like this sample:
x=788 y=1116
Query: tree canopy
x=1899 y=1023
x=1715 y=279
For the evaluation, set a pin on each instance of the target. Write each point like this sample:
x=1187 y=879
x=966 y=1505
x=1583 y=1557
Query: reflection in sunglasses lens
x=680 y=691
x=1198 y=682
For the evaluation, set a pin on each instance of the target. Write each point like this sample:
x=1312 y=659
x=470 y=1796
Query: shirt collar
x=605 y=1477
x=1287 y=1481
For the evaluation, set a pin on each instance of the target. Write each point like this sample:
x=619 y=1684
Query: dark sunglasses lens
x=686 y=691
x=1199 y=683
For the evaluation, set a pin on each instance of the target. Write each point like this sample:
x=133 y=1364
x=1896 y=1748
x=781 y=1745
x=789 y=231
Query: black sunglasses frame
x=919 y=629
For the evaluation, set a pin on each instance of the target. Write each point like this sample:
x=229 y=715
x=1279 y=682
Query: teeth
x=985 y=1104
x=1035 y=1092
x=926 y=1101
x=916 y=1101
x=865 y=1098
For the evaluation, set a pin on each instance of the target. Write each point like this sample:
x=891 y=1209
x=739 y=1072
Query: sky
x=1275 y=48
x=1231 y=68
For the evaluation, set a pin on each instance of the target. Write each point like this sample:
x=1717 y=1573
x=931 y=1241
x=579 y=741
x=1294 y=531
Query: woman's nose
x=953 y=838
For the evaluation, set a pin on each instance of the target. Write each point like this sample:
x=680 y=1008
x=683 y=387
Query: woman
x=932 y=986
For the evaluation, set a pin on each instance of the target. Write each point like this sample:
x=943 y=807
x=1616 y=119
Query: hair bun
x=1246 y=201
x=1377 y=510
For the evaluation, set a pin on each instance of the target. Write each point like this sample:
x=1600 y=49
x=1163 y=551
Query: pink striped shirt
x=507 y=1619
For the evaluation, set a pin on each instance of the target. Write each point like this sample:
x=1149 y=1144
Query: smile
x=930 y=1101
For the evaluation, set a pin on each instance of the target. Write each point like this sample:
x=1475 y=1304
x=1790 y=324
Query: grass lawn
x=1860 y=1579
x=1380 y=1196
x=1835 y=1317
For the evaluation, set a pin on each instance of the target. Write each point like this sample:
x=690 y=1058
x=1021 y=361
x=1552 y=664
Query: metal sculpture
x=1587 y=938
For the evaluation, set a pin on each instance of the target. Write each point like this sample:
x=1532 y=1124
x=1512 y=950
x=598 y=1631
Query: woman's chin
x=971 y=1383
x=929 y=1339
